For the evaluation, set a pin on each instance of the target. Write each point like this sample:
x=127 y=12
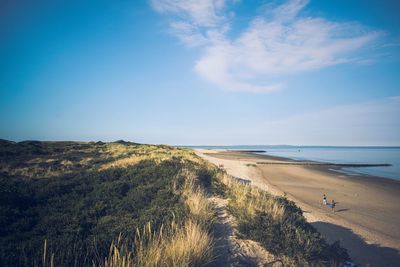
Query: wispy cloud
x=205 y=13
x=277 y=42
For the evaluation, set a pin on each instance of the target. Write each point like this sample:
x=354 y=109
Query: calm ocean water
x=334 y=154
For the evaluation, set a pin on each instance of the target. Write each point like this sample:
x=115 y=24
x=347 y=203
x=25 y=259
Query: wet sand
x=367 y=216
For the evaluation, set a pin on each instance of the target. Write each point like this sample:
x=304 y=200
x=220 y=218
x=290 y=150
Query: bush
x=279 y=225
x=80 y=211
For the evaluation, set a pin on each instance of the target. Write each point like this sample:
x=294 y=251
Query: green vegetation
x=279 y=225
x=81 y=196
x=127 y=204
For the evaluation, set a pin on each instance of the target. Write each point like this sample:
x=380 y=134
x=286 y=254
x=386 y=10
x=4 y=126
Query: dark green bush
x=81 y=212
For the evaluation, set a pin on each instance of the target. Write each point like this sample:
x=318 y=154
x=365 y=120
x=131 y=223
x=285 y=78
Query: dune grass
x=107 y=189
x=279 y=225
x=179 y=244
x=187 y=242
x=125 y=204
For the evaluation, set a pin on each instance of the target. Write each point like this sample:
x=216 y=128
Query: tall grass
x=195 y=199
x=47 y=259
x=251 y=200
x=279 y=225
x=118 y=185
x=185 y=242
x=92 y=192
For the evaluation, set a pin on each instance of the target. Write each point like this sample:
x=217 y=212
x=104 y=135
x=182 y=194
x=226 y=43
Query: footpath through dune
x=230 y=249
x=354 y=228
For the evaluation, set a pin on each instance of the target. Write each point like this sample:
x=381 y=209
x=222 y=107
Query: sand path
x=368 y=212
x=231 y=250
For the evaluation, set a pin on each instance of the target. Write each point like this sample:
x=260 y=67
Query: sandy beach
x=367 y=216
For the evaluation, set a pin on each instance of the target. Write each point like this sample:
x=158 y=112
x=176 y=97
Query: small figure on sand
x=333 y=204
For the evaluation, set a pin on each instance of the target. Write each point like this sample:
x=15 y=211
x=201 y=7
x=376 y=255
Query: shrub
x=79 y=212
x=279 y=225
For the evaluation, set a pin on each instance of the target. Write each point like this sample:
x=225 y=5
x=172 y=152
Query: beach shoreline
x=366 y=216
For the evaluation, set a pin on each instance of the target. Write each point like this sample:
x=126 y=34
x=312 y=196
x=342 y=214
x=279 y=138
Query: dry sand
x=367 y=216
x=232 y=250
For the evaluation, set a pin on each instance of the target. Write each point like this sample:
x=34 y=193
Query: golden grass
x=37 y=171
x=189 y=246
x=40 y=167
x=199 y=207
x=252 y=199
x=247 y=201
x=188 y=241
x=129 y=155
x=196 y=201
x=47 y=261
x=121 y=163
x=185 y=243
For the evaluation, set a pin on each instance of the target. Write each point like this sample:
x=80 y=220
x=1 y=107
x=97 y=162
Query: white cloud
x=188 y=34
x=303 y=44
x=218 y=65
x=204 y=13
x=287 y=11
x=279 y=42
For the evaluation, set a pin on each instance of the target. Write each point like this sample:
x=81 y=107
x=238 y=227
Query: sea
x=335 y=154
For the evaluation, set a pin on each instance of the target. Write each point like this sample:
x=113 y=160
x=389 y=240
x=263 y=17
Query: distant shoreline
x=362 y=161
x=237 y=147
x=328 y=167
x=318 y=163
x=328 y=164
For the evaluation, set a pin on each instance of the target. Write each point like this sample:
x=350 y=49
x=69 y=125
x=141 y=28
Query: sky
x=209 y=72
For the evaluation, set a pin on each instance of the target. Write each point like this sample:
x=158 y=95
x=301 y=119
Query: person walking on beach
x=324 y=200
x=333 y=204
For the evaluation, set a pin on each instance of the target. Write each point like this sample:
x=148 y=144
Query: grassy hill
x=128 y=204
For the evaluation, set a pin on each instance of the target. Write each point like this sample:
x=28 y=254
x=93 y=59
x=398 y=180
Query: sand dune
x=367 y=216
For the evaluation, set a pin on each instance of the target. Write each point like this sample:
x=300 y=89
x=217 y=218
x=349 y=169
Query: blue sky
x=211 y=72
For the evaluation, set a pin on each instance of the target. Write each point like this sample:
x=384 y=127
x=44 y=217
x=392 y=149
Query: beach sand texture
x=367 y=217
